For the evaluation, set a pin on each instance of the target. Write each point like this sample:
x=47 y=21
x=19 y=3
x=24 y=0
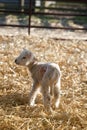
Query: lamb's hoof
x=32 y=105
x=57 y=104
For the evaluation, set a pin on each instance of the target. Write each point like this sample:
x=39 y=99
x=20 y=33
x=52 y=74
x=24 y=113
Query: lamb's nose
x=15 y=60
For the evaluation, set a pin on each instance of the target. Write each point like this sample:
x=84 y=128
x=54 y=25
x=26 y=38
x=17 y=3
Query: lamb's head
x=25 y=58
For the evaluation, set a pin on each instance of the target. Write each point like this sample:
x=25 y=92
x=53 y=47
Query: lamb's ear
x=24 y=49
x=29 y=54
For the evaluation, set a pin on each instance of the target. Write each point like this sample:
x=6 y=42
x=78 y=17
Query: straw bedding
x=15 y=84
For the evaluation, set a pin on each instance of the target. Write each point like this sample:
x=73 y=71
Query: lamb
x=46 y=76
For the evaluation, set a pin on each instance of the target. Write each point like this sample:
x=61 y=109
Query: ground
x=16 y=82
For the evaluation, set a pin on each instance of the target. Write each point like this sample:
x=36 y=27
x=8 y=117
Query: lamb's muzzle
x=46 y=75
x=16 y=61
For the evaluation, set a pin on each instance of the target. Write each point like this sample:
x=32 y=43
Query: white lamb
x=46 y=75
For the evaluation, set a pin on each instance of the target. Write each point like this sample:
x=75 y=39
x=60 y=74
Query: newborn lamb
x=47 y=76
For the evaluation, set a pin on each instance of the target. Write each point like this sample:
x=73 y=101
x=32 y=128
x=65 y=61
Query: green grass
x=80 y=20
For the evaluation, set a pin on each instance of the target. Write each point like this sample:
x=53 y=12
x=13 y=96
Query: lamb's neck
x=31 y=66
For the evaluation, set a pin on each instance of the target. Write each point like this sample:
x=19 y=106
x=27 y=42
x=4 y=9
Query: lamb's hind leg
x=46 y=95
x=33 y=94
x=57 y=94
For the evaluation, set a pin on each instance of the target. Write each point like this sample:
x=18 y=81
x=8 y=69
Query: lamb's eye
x=24 y=57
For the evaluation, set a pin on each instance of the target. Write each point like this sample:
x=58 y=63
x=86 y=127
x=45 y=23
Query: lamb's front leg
x=33 y=93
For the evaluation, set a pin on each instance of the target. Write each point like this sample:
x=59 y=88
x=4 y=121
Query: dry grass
x=15 y=83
